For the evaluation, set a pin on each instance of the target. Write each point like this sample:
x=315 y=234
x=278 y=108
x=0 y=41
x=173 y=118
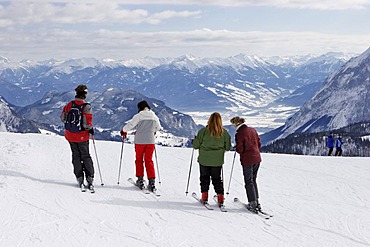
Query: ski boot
x=258 y=207
x=252 y=207
x=204 y=198
x=90 y=185
x=220 y=199
x=80 y=181
x=140 y=182
x=151 y=185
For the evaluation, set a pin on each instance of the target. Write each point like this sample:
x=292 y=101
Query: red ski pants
x=144 y=154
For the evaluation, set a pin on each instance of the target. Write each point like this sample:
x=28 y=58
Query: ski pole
x=97 y=161
x=156 y=160
x=191 y=163
x=120 y=163
x=231 y=174
x=222 y=175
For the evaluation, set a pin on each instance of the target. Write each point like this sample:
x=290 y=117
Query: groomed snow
x=316 y=201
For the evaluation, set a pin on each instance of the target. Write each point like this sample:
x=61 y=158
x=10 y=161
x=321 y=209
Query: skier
x=77 y=117
x=338 y=146
x=247 y=145
x=330 y=143
x=212 y=142
x=146 y=123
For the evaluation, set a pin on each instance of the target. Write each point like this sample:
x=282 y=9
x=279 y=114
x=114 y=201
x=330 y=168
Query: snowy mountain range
x=341 y=101
x=111 y=109
x=266 y=90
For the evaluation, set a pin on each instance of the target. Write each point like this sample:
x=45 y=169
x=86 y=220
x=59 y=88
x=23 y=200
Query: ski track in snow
x=316 y=201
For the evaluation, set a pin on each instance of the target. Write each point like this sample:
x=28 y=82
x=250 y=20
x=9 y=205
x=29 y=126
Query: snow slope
x=316 y=201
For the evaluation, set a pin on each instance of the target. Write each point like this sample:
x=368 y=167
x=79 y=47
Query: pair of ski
x=207 y=205
x=90 y=187
x=260 y=212
x=145 y=189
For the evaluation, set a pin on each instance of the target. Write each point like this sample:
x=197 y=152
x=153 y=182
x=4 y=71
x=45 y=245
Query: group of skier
x=337 y=143
x=212 y=141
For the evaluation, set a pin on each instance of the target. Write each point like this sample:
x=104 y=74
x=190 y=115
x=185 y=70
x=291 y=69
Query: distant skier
x=338 y=146
x=212 y=142
x=146 y=123
x=248 y=146
x=77 y=118
x=330 y=143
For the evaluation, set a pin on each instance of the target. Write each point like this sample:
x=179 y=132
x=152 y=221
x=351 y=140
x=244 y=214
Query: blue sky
x=42 y=29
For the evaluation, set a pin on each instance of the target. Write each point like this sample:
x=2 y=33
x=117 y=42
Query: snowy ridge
x=356 y=61
x=189 y=62
x=316 y=201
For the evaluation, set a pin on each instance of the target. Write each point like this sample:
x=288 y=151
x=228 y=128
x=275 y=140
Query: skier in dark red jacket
x=248 y=146
x=77 y=117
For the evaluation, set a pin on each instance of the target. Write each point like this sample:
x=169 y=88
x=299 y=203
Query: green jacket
x=211 y=149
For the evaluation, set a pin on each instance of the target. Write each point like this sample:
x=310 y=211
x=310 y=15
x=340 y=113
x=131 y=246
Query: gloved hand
x=91 y=131
x=123 y=134
x=192 y=140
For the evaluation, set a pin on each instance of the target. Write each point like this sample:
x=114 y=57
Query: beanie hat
x=81 y=91
x=237 y=120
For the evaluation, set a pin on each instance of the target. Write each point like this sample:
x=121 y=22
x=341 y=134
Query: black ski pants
x=250 y=181
x=338 y=152
x=208 y=172
x=330 y=151
x=81 y=160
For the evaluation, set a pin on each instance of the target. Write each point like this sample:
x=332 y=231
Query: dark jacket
x=211 y=149
x=248 y=145
x=330 y=141
x=338 y=143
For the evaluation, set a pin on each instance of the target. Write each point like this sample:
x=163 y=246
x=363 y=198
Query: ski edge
x=155 y=192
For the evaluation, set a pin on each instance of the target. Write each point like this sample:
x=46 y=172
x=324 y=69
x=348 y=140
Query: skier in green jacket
x=212 y=142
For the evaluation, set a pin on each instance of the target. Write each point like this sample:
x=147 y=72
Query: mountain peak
x=356 y=61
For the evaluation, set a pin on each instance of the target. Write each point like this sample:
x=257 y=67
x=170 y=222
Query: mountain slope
x=42 y=206
x=10 y=121
x=341 y=101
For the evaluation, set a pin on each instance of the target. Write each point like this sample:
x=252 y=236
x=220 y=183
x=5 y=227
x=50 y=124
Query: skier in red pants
x=146 y=123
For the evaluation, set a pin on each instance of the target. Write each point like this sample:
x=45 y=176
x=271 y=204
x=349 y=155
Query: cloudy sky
x=43 y=29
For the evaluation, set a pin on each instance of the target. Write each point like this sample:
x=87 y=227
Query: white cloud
x=20 y=13
x=43 y=29
x=158 y=17
x=300 y=4
x=203 y=43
